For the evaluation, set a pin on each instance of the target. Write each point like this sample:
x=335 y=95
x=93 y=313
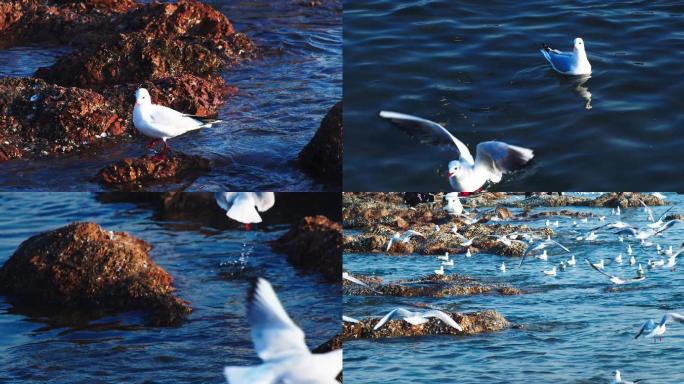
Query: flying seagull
x=417 y=318
x=162 y=123
x=568 y=63
x=404 y=238
x=492 y=158
x=650 y=329
x=243 y=206
x=541 y=245
x=280 y=345
x=614 y=279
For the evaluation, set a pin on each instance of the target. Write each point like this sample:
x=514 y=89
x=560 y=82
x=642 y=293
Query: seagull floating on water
x=492 y=159
x=280 y=345
x=163 y=123
x=502 y=268
x=440 y=271
x=568 y=63
x=417 y=318
x=618 y=379
x=650 y=329
x=550 y=272
x=243 y=206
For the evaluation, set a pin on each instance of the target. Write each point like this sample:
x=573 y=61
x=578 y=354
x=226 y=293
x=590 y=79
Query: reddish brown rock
x=40 y=119
x=429 y=286
x=82 y=265
x=322 y=156
x=145 y=169
x=472 y=323
x=314 y=243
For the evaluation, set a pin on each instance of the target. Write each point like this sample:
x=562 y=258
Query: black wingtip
x=251 y=292
x=546 y=47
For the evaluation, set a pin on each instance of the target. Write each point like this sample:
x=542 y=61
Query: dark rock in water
x=146 y=169
x=626 y=199
x=82 y=265
x=472 y=323
x=415 y=198
x=41 y=119
x=322 y=156
x=314 y=243
x=428 y=286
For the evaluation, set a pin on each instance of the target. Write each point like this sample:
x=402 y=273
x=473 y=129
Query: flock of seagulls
x=638 y=238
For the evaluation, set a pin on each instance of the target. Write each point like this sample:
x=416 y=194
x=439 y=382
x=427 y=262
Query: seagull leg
x=152 y=143
x=162 y=154
x=247 y=227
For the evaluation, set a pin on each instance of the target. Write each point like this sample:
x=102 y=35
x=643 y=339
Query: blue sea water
x=211 y=269
x=282 y=98
x=574 y=328
x=475 y=67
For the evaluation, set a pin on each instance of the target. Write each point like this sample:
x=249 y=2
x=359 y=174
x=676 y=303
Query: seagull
x=492 y=159
x=599 y=265
x=444 y=258
x=348 y=319
x=640 y=271
x=348 y=277
x=448 y=263
x=436 y=228
x=668 y=251
x=572 y=262
x=632 y=260
x=659 y=195
x=544 y=256
x=502 y=268
x=668 y=225
x=614 y=279
x=618 y=379
x=629 y=249
x=243 y=206
x=561 y=266
x=453 y=206
x=541 y=245
x=417 y=318
x=617 y=211
x=550 y=272
x=464 y=242
x=618 y=258
x=568 y=63
x=648 y=210
x=591 y=236
x=659 y=223
x=280 y=345
x=468 y=254
x=440 y=271
x=405 y=238
x=650 y=329
x=162 y=123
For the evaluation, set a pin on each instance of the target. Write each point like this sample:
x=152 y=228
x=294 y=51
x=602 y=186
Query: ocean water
x=211 y=269
x=475 y=67
x=282 y=98
x=574 y=328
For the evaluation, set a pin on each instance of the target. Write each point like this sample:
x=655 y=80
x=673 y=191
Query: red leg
x=152 y=143
x=247 y=226
x=162 y=154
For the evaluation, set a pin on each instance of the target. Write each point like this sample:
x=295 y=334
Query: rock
x=322 y=156
x=82 y=265
x=42 y=119
x=503 y=213
x=145 y=169
x=429 y=286
x=472 y=323
x=675 y=216
x=626 y=199
x=314 y=243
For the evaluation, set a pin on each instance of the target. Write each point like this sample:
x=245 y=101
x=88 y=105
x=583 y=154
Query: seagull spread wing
x=243 y=209
x=646 y=328
x=354 y=280
x=672 y=316
x=264 y=200
x=648 y=210
x=274 y=334
x=397 y=312
x=444 y=317
x=614 y=279
x=427 y=132
x=349 y=319
x=559 y=244
x=498 y=158
x=411 y=232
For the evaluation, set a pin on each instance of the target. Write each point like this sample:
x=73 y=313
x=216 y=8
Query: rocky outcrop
x=607 y=200
x=429 y=286
x=132 y=172
x=315 y=243
x=472 y=323
x=38 y=119
x=82 y=265
x=322 y=156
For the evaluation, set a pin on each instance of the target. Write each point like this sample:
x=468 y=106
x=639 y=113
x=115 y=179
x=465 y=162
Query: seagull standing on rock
x=162 y=123
x=568 y=63
x=492 y=159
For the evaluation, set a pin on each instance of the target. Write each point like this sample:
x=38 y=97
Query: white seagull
x=492 y=158
x=650 y=329
x=502 y=268
x=348 y=277
x=618 y=379
x=243 y=206
x=550 y=272
x=541 y=245
x=572 y=262
x=569 y=63
x=417 y=318
x=348 y=319
x=280 y=345
x=405 y=238
x=614 y=279
x=162 y=123
x=453 y=206
x=440 y=271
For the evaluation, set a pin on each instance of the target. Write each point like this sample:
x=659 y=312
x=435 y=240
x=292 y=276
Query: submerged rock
x=314 y=243
x=472 y=323
x=145 y=169
x=322 y=156
x=82 y=265
x=429 y=286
